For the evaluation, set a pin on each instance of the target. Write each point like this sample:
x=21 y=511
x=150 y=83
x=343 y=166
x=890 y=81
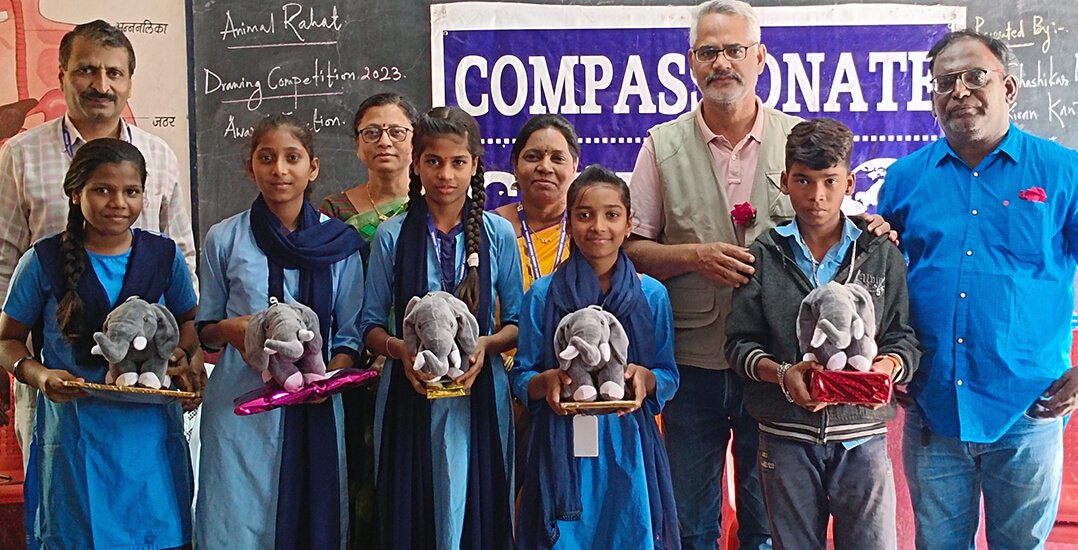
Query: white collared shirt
x=32 y=201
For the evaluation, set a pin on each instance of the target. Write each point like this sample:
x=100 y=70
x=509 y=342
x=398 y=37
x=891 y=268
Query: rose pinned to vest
x=743 y=214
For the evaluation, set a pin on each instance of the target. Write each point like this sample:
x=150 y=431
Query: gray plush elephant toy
x=836 y=326
x=593 y=349
x=284 y=343
x=138 y=339
x=442 y=334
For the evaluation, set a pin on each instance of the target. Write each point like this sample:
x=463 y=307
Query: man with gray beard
x=705 y=185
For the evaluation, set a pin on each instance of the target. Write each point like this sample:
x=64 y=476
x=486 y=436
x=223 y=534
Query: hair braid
x=84 y=164
x=415 y=188
x=468 y=291
x=69 y=309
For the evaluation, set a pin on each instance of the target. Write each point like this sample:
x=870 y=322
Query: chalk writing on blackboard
x=320 y=121
x=1014 y=33
x=292 y=20
x=284 y=85
x=1061 y=109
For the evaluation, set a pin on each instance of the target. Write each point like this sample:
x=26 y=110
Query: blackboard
x=341 y=52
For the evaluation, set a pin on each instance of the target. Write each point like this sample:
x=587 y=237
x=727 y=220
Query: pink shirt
x=735 y=164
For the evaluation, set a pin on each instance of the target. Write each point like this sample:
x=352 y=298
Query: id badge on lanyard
x=533 y=258
x=69 y=144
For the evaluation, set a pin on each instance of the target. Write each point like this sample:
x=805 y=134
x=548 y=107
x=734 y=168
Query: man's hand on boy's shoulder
x=878 y=226
x=726 y=263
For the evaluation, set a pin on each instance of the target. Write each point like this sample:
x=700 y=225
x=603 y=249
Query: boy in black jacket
x=819 y=460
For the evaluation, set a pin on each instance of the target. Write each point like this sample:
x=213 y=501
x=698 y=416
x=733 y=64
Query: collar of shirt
x=77 y=140
x=822 y=272
x=755 y=133
x=445 y=250
x=1010 y=147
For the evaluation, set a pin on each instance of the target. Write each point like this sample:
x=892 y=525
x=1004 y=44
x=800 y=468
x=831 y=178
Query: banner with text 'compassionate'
x=616 y=71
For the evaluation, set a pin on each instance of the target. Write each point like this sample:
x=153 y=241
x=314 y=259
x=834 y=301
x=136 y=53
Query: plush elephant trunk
x=292 y=349
x=112 y=351
x=825 y=330
x=588 y=353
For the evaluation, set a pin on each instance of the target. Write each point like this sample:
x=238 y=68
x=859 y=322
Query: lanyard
x=438 y=253
x=533 y=258
x=70 y=147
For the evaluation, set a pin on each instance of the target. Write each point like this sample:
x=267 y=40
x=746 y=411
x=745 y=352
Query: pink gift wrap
x=272 y=395
x=850 y=387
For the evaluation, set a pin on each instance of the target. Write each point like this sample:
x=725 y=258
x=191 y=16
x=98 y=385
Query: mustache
x=93 y=95
x=731 y=74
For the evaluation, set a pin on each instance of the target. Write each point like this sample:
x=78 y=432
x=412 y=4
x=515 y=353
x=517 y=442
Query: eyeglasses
x=971 y=79
x=733 y=52
x=372 y=134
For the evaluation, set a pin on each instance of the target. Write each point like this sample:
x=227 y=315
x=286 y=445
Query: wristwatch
x=782 y=380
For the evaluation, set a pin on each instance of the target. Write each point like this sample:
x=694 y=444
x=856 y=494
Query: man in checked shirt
x=96 y=65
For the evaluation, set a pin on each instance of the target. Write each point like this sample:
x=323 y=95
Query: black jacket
x=763 y=323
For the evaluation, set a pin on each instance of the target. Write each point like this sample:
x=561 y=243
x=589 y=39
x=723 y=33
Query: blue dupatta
x=551 y=486
x=308 y=503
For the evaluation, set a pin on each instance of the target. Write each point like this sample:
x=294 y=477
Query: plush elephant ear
x=864 y=309
x=411 y=335
x=467 y=327
x=806 y=320
x=619 y=342
x=255 y=341
x=167 y=335
x=561 y=338
x=308 y=316
x=310 y=321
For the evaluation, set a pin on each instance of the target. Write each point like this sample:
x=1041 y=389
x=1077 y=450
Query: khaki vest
x=697 y=210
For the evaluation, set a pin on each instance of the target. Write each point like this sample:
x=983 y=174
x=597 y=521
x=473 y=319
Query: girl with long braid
x=445 y=465
x=102 y=474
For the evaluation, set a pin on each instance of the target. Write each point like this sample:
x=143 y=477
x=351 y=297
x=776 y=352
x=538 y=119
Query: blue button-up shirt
x=990 y=277
x=822 y=272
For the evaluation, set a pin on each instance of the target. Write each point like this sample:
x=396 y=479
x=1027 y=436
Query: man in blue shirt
x=989 y=219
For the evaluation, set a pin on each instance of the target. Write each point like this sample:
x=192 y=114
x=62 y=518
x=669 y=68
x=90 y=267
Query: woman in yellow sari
x=545 y=157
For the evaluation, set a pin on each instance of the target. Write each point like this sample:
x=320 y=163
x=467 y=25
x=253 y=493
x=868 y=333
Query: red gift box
x=850 y=387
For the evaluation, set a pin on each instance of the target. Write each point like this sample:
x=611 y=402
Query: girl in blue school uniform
x=622 y=498
x=102 y=474
x=444 y=465
x=275 y=479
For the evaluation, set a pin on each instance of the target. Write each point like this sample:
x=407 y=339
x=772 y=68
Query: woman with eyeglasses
x=383 y=131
